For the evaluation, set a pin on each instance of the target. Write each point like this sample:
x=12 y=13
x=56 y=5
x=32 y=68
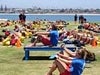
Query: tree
x=1 y=8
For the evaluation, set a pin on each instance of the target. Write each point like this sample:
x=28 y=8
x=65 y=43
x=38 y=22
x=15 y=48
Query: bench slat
x=45 y=48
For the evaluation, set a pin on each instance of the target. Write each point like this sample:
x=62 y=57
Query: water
x=51 y=17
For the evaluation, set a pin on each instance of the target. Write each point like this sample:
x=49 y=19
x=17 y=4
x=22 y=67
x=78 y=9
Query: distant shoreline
x=48 y=14
x=51 y=17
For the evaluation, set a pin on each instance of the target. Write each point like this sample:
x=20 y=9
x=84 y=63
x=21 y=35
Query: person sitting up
x=7 y=33
x=52 y=40
x=13 y=40
x=72 y=64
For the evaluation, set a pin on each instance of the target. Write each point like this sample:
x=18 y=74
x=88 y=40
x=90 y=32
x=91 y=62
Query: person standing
x=81 y=19
x=75 y=18
x=22 y=18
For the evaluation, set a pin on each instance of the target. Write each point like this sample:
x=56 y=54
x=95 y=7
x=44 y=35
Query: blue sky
x=51 y=3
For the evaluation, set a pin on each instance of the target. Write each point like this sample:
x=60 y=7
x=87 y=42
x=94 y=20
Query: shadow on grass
x=38 y=58
x=88 y=67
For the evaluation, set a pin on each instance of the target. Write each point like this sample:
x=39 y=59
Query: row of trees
x=71 y=10
x=40 y=10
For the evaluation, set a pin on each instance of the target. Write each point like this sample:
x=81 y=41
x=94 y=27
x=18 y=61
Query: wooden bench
x=45 y=48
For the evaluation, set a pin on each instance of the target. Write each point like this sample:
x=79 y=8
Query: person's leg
x=62 y=67
x=44 y=40
x=52 y=68
x=41 y=38
x=64 y=53
x=33 y=43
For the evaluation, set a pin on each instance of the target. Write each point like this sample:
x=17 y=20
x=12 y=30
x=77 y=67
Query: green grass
x=12 y=63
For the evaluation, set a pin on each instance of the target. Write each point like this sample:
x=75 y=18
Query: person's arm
x=61 y=32
x=42 y=33
x=73 y=54
x=65 y=61
x=64 y=57
x=70 y=52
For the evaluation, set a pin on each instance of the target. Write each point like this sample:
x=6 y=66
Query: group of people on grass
x=22 y=30
x=82 y=38
x=67 y=62
x=92 y=27
x=77 y=37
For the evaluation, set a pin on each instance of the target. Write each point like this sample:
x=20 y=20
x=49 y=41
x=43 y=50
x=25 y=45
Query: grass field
x=12 y=63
